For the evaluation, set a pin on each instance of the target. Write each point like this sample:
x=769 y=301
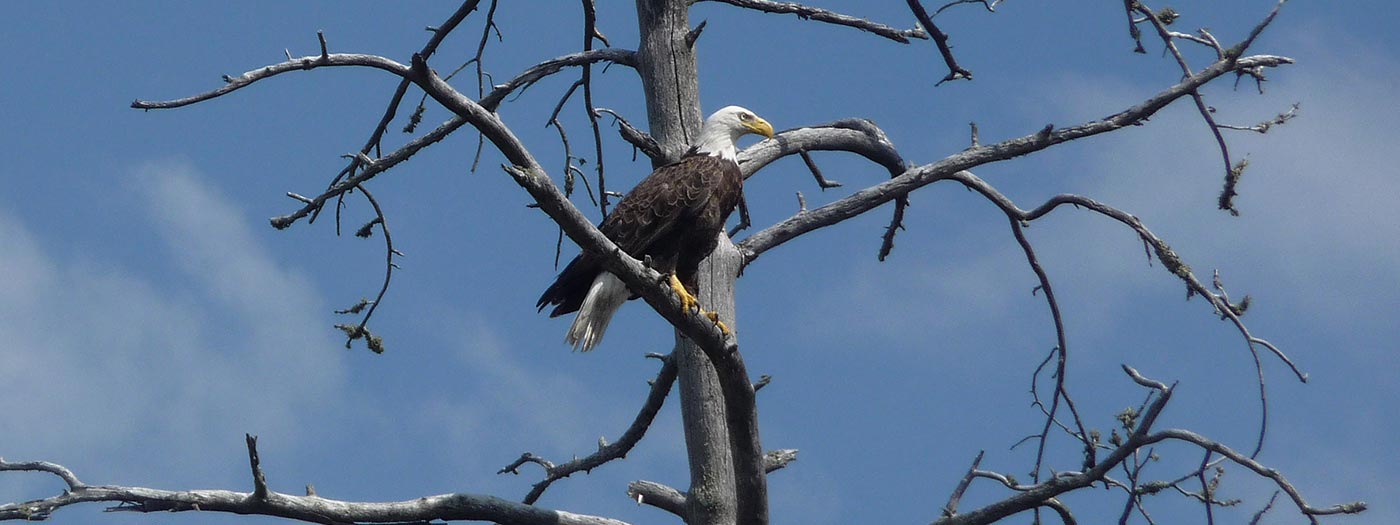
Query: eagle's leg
x=689 y=302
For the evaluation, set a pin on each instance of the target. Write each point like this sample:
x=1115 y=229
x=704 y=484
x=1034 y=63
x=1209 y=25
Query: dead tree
x=727 y=461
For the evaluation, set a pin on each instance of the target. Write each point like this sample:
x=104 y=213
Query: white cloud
x=553 y=409
x=1312 y=199
x=105 y=359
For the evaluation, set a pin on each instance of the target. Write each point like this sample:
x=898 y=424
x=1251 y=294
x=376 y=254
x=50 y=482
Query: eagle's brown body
x=673 y=216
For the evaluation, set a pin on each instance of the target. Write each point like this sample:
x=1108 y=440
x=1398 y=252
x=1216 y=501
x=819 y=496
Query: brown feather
x=673 y=216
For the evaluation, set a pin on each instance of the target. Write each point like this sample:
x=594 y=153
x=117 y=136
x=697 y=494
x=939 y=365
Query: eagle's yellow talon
x=714 y=317
x=688 y=302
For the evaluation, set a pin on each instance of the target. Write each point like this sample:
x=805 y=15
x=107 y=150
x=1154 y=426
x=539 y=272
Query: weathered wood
x=718 y=274
x=666 y=64
x=669 y=80
x=712 y=495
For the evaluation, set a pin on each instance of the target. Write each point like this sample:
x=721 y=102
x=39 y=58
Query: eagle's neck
x=716 y=141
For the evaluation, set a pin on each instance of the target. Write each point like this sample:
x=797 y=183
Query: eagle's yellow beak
x=760 y=126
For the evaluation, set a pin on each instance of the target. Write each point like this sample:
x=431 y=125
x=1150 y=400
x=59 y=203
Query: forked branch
x=660 y=387
x=917 y=177
x=1141 y=437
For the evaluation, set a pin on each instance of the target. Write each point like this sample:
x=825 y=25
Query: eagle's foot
x=714 y=317
x=689 y=302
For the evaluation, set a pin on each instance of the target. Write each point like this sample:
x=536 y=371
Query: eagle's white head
x=724 y=127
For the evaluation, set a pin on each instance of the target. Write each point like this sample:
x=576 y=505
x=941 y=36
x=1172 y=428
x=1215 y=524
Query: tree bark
x=713 y=494
x=669 y=79
x=666 y=64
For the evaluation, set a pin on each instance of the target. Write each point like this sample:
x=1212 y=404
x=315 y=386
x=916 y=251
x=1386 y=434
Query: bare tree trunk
x=717 y=276
x=666 y=63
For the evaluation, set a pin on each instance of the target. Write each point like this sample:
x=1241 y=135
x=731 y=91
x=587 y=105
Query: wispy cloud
x=104 y=358
x=1312 y=198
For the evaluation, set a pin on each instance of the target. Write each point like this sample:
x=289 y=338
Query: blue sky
x=150 y=316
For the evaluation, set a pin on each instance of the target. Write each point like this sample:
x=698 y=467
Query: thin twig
x=822 y=15
x=636 y=137
x=660 y=388
x=259 y=480
x=375 y=344
x=940 y=38
x=822 y=182
x=1061 y=351
x=590 y=32
x=951 y=508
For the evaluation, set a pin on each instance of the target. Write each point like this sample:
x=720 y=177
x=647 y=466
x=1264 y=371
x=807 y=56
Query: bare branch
x=822 y=15
x=61 y=471
x=314 y=509
x=368 y=172
x=1232 y=171
x=989 y=5
x=1061 y=352
x=673 y=501
x=1265 y=126
x=305 y=63
x=636 y=137
x=920 y=176
x=1258 y=468
x=896 y=224
x=541 y=70
x=1139 y=379
x=660 y=388
x=477 y=60
x=817 y=172
x=259 y=480
x=376 y=344
x=951 y=508
x=1133 y=30
x=777 y=459
x=657 y=495
x=590 y=32
x=941 y=39
x=569 y=168
x=858 y=136
x=1035 y=496
x=853 y=135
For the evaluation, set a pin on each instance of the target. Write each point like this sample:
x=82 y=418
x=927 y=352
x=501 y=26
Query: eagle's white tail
x=605 y=296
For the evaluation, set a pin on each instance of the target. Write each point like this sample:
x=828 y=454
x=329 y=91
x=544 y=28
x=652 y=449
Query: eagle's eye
x=745 y=117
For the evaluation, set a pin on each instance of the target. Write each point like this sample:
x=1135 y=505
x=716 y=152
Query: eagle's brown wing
x=695 y=193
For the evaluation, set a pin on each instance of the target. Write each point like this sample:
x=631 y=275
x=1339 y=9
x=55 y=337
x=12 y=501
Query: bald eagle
x=674 y=216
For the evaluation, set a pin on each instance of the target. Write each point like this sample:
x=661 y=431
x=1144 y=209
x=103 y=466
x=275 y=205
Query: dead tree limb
x=830 y=17
x=313 y=509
